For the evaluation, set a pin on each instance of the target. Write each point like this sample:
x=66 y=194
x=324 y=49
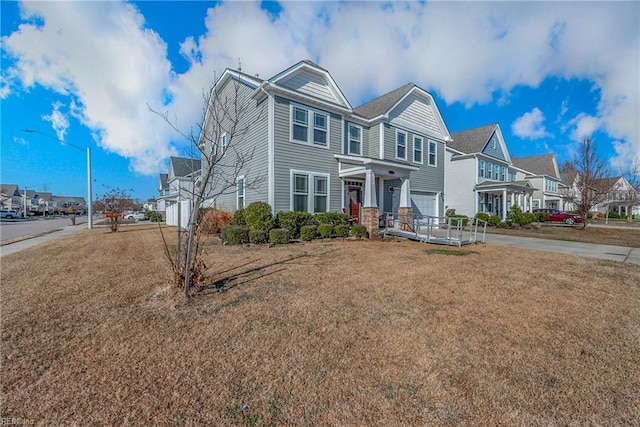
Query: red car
x=554 y=215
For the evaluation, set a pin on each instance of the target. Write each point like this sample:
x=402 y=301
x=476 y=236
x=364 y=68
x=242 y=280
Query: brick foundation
x=370 y=220
x=405 y=218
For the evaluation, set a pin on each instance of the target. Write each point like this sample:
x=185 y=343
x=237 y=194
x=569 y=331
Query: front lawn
x=323 y=333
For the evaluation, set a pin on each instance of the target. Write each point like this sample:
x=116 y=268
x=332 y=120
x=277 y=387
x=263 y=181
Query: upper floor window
x=503 y=172
x=401 y=145
x=489 y=170
x=432 y=154
x=355 y=140
x=301 y=131
x=417 y=149
x=481 y=169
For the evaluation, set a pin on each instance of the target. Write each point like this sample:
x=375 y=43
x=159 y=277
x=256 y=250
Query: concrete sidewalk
x=25 y=242
x=608 y=252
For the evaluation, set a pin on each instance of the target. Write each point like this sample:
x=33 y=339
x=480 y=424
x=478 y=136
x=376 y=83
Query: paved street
x=14 y=229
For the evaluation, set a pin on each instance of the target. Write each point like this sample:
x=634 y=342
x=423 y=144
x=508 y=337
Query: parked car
x=4 y=213
x=554 y=215
x=135 y=215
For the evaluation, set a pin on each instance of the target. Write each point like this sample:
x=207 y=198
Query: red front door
x=355 y=195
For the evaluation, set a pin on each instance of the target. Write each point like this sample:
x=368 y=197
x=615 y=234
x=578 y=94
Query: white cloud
x=584 y=126
x=58 y=120
x=468 y=52
x=530 y=125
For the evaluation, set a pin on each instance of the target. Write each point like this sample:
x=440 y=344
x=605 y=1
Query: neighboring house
x=480 y=176
x=544 y=175
x=311 y=151
x=163 y=191
x=10 y=197
x=61 y=204
x=621 y=196
x=182 y=175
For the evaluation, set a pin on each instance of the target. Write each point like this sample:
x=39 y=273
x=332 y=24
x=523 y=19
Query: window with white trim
x=481 y=168
x=316 y=133
x=417 y=149
x=401 y=145
x=433 y=159
x=310 y=192
x=223 y=142
x=355 y=140
x=240 y=192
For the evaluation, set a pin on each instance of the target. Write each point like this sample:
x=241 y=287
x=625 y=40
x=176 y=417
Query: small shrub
x=541 y=216
x=332 y=218
x=212 y=220
x=514 y=216
x=359 y=231
x=279 y=236
x=495 y=220
x=457 y=219
x=293 y=221
x=235 y=234
x=325 y=230
x=528 y=218
x=308 y=232
x=238 y=218
x=614 y=215
x=483 y=216
x=258 y=236
x=155 y=217
x=258 y=216
x=341 y=230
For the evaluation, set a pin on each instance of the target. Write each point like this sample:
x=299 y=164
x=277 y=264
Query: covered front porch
x=497 y=198
x=364 y=189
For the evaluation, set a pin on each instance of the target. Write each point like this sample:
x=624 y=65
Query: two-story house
x=301 y=146
x=544 y=175
x=480 y=176
x=177 y=196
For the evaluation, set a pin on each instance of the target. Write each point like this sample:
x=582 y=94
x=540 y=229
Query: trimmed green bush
x=495 y=220
x=332 y=218
x=279 y=236
x=292 y=221
x=341 y=230
x=258 y=216
x=528 y=218
x=258 y=236
x=308 y=232
x=483 y=216
x=614 y=215
x=457 y=219
x=235 y=234
x=541 y=216
x=238 y=218
x=359 y=231
x=155 y=217
x=325 y=230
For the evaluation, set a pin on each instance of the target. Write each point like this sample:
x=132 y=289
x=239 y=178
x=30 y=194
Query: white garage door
x=424 y=204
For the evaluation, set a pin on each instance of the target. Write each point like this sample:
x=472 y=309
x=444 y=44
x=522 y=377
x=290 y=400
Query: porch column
x=504 y=205
x=513 y=199
x=405 y=211
x=370 y=212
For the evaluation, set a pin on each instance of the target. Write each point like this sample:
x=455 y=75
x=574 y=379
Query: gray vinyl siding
x=372 y=146
x=365 y=139
x=253 y=146
x=308 y=158
x=311 y=84
x=413 y=109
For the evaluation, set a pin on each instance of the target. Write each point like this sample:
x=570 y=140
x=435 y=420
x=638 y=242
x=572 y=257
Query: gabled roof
x=182 y=167
x=542 y=164
x=322 y=86
x=384 y=103
x=472 y=140
x=608 y=183
x=9 y=189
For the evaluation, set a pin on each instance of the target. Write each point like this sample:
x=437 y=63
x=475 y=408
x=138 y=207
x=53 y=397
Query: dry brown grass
x=629 y=237
x=325 y=333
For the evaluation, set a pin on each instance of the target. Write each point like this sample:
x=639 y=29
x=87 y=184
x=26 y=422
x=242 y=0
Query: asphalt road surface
x=17 y=228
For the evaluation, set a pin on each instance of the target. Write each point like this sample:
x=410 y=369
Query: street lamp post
x=89 y=198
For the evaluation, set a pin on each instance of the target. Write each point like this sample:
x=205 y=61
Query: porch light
x=391 y=172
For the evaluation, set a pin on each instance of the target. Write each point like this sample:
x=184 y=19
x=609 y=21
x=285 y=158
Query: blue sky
x=549 y=73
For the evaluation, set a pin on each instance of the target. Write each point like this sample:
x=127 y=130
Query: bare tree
x=115 y=202
x=221 y=140
x=589 y=184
